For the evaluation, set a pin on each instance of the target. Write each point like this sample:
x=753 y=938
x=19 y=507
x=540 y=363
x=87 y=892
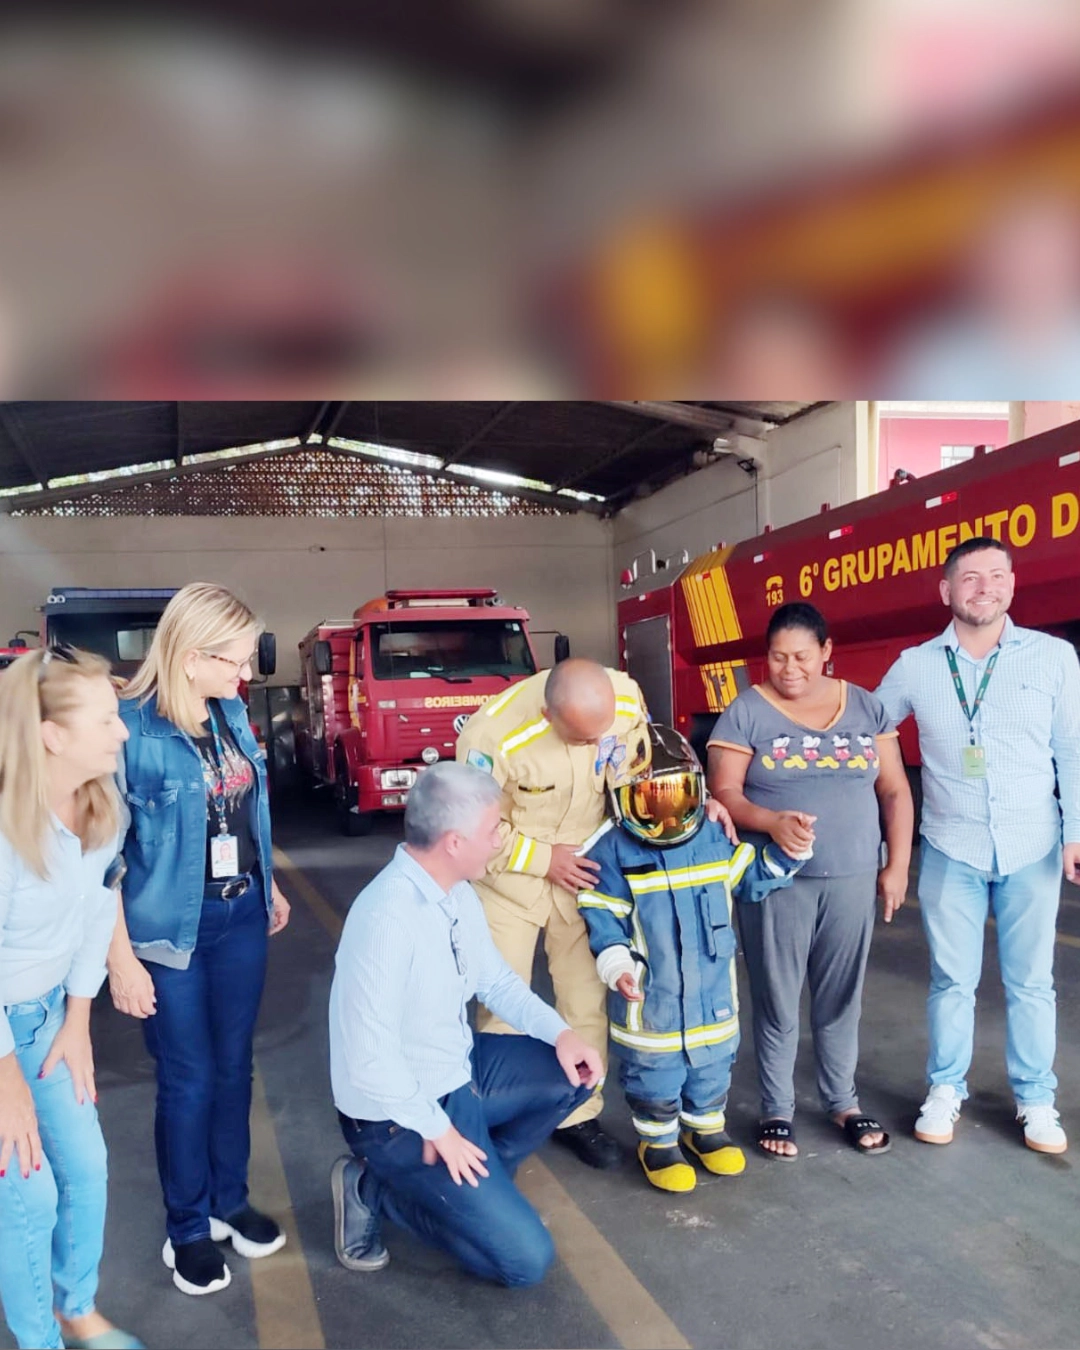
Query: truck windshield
x=456 y=649
x=122 y=639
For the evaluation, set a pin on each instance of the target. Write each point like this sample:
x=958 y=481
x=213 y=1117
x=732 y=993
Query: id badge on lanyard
x=972 y=755
x=224 y=857
x=973 y=761
x=224 y=847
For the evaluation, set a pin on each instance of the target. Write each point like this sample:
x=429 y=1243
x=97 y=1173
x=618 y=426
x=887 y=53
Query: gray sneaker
x=356 y=1229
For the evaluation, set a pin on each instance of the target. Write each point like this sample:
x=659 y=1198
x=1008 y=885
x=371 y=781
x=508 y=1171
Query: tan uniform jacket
x=553 y=793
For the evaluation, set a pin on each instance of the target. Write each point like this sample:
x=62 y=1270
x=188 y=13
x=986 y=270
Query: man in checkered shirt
x=998 y=713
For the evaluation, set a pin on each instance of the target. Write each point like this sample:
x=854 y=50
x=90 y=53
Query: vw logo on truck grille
x=459 y=722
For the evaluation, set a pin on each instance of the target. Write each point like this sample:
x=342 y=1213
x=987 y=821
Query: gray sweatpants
x=818 y=928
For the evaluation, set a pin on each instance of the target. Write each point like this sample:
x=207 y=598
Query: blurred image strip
x=541 y=198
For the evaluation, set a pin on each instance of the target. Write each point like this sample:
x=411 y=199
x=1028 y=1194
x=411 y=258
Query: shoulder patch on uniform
x=479 y=760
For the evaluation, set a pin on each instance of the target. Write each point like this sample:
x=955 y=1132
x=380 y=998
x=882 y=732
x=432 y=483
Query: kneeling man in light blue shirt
x=437 y=1118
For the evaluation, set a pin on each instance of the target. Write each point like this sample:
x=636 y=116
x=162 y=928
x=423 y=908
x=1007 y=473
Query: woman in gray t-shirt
x=808 y=760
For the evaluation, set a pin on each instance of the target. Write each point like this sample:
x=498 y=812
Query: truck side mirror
x=562 y=647
x=267 y=653
x=323 y=657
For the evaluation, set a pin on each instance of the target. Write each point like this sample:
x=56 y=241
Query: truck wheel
x=351 y=822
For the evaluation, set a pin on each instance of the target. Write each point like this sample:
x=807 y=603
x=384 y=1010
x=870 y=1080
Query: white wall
x=822 y=457
x=295 y=572
x=693 y=513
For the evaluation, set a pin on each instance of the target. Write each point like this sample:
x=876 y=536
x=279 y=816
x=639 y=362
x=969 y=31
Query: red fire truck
x=386 y=692
x=15 y=648
x=872 y=568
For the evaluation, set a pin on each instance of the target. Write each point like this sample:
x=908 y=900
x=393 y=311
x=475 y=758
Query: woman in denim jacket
x=60 y=822
x=199 y=899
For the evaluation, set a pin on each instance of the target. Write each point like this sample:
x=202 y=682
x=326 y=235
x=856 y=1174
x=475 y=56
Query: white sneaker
x=1041 y=1129
x=939 y=1111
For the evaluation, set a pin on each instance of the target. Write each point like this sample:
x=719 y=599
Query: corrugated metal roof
x=610 y=450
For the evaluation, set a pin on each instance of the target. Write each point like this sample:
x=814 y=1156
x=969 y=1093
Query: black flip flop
x=856 y=1126
x=780 y=1130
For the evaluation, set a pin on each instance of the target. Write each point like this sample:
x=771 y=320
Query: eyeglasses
x=115 y=873
x=61 y=651
x=247 y=663
x=455 y=947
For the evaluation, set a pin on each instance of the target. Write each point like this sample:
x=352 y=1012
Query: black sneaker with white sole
x=252 y=1234
x=197 y=1267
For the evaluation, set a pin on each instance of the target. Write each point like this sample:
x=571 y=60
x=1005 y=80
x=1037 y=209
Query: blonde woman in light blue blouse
x=60 y=819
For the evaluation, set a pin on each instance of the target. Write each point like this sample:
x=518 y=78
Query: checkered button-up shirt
x=1029 y=728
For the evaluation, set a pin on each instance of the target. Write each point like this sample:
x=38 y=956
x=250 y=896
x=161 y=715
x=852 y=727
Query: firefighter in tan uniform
x=548 y=742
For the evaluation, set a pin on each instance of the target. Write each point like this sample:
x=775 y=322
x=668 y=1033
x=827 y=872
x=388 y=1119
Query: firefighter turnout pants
x=665 y=1091
x=580 y=997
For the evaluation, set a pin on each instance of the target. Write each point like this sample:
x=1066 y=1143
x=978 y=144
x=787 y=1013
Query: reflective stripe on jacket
x=672 y=907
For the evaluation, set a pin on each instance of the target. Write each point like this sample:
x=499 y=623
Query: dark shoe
x=857 y=1127
x=777 y=1130
x=253 y=1234
x=591 y=1144
x=197 y=1267
x=357 y=1241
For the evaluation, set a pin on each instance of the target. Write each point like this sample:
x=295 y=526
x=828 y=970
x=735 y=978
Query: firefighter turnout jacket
x=672 y=909
x=553 y=793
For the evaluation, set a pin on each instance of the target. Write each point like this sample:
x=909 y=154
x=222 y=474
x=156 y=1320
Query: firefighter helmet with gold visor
x=658 y=793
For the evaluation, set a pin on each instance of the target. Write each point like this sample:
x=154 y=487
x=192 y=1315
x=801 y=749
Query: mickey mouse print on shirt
x=830 y=770
x=779 y=752
x=808 y=756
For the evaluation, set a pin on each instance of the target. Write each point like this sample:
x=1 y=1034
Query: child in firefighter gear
x=660 y=927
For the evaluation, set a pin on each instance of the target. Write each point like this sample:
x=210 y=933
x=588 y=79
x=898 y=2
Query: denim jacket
x=165 y=850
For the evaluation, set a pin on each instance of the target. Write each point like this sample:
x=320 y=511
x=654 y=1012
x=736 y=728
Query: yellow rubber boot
x=715 y=1152
x=667 y=1172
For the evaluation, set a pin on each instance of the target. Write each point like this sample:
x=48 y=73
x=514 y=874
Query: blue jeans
x=201 y=1040
x=517 y=1096
x=52 y=1223
x=955 y=899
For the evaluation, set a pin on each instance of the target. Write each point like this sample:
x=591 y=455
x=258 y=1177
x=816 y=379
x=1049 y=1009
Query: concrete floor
x=976 y=1245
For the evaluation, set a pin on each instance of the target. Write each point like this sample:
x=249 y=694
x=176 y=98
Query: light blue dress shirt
x=1028 y=725
x=55 y=929
x=411 y=956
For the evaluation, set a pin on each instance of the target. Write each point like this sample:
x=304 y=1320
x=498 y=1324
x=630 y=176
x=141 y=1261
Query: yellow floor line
x=634 y=1317
x=286 y=1317
x=324 y=912
x=630 y=1311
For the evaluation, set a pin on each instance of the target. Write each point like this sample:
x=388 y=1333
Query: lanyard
x=217 y=800
x=958 y=685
